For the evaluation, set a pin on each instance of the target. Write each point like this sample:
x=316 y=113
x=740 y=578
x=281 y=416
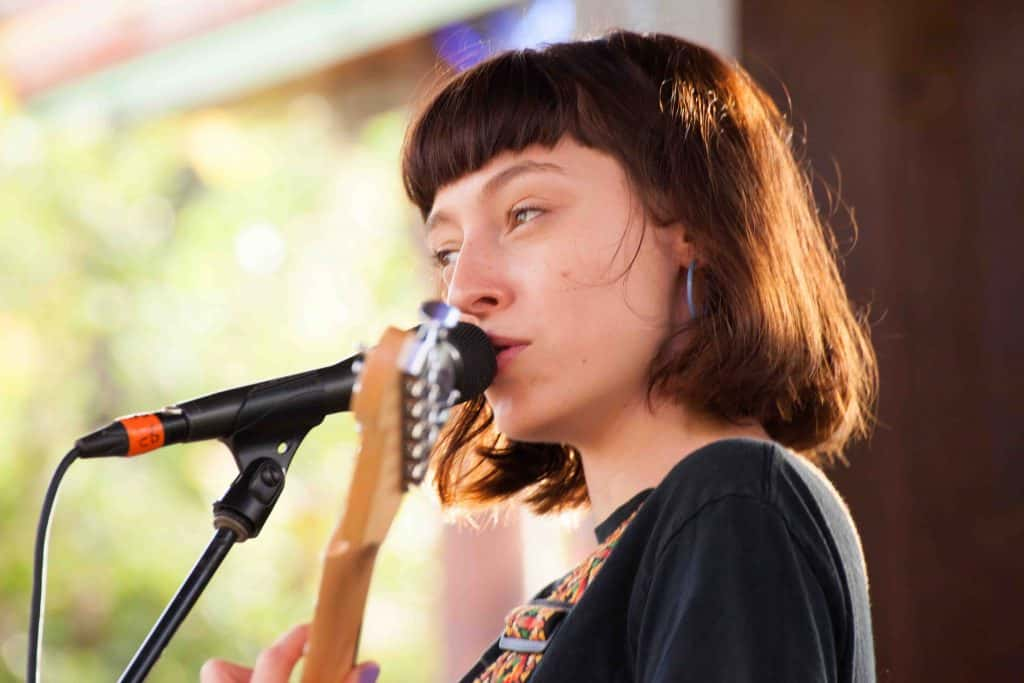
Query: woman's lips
x=506 y=355
x=506 y=348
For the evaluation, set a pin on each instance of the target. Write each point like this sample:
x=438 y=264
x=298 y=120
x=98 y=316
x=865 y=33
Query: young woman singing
x=626 y=220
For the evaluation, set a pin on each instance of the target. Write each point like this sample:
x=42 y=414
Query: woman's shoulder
x=727 y=468
x=747 y=528
x=739 y=472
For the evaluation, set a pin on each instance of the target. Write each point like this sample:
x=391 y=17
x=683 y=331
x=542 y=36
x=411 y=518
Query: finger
x=220 y=671
x=275 y=664
x=366 y=672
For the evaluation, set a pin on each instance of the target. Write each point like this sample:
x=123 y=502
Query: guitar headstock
x=406 y=389
x=428 y=388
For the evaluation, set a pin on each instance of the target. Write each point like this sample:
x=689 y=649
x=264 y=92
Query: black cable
x=35 y=628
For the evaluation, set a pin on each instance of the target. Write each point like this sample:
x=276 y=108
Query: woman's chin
x=518 y=428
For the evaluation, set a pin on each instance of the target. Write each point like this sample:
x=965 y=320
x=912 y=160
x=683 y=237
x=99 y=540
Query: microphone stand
x=263 y=456
x=151 y=649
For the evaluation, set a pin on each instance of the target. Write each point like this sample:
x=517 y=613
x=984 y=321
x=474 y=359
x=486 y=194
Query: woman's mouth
x=506 y=349
x=506 y=354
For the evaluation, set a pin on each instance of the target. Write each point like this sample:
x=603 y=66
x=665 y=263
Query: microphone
x=305 y=397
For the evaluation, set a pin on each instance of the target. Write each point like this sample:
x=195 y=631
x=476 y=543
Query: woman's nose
x=478 y=286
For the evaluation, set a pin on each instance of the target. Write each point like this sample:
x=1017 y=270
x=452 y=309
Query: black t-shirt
x=742 y=565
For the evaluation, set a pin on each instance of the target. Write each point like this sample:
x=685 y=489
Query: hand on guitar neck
x=275 y=664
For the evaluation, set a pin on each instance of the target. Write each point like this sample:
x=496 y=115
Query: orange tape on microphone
x=145 y=433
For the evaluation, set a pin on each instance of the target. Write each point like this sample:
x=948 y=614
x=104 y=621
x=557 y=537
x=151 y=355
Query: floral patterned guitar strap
x=529 y=627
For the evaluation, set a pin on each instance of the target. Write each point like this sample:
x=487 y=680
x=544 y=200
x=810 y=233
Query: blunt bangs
x=514 y=100
x=506 y=104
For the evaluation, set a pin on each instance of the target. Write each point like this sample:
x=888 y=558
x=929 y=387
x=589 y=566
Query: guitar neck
x=373 y=500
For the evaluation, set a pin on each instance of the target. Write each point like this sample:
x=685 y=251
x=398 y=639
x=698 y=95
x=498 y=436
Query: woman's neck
x=638 y=448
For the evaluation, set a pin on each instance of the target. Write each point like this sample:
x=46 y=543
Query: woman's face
x=535 y=249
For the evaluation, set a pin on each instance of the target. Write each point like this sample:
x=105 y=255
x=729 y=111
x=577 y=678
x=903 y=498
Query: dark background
x=919 y=105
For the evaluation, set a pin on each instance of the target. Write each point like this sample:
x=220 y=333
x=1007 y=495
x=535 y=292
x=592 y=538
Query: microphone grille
x=479 y=363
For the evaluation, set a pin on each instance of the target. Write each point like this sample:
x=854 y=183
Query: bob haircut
x=776 y=338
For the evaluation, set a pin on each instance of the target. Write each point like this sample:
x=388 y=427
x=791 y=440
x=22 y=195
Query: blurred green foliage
x=144 y=264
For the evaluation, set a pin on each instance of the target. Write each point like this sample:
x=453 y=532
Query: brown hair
x=777 y=339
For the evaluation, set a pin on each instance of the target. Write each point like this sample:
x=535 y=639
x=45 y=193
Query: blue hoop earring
x=689 y=288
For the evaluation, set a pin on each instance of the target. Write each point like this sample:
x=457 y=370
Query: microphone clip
x=263 y=456
x=247 y=504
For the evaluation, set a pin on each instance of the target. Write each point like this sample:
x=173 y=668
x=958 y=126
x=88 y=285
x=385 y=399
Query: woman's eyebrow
x=505 y=176
x=498 y=180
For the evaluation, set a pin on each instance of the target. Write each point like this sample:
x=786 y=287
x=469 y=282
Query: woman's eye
x=445 y=257
x=524 y=214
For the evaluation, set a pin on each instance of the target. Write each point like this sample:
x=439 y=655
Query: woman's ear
x=682 y=249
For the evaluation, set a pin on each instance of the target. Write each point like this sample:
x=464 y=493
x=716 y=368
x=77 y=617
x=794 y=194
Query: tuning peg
x=417 y=430
x=416 y=472
x=453 y=397
x=419 y=451
x=417 y=409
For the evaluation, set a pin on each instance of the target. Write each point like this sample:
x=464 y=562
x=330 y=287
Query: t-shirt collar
x=612 y=521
